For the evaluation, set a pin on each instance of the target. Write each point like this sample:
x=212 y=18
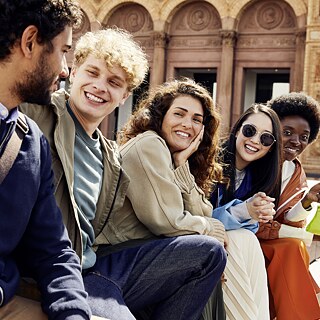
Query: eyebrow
x=186 y=110
x=291 y=127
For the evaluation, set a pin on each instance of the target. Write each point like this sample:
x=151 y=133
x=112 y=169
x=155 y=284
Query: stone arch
x=195 y=41
x=89 y=10
x=237 y=6
x=109 y=7
x=172 y=6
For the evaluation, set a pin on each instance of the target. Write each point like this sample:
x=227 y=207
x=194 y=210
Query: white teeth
x=291 y=150
x=93 y=98
x=251 y=148
x=183 y=134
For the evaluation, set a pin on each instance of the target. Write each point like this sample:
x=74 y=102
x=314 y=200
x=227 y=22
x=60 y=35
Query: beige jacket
x=58 y=126
x=161 y=199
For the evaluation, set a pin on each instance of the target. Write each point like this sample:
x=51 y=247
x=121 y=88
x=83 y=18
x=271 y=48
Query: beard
x=36 y=85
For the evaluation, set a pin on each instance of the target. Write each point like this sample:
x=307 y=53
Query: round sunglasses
x=266 y=138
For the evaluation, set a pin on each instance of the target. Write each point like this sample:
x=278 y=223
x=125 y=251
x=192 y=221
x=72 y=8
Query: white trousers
x=246 y=289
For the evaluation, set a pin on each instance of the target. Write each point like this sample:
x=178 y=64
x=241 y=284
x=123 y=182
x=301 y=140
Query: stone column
x=157 y=74
x=225 y=75
x=299 y=60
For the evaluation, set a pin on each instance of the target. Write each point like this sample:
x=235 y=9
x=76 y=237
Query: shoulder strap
x=13 y=146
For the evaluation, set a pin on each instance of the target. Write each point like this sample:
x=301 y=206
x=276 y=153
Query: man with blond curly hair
x=168 y=276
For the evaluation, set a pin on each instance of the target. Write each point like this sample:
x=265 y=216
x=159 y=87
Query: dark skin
x=296 y=132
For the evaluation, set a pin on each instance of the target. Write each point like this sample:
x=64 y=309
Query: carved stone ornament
x=134 y=20
x=269 y=15
x=228 y=37
x=199 y=18
x=160 y=39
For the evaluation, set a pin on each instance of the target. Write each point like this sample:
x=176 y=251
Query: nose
x=294 y=139
x=65 y=70
x=186 y=123
x=255 y=138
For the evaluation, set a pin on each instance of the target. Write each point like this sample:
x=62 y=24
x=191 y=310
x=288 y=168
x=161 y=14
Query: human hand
x=181 y=157
x=312 y=196
x=260 y=207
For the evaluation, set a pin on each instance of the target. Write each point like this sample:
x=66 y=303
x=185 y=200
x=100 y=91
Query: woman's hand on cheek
x=181 y=157
x=261 y=207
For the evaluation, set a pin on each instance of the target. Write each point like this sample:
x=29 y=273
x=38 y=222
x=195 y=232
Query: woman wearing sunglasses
x=252 y=155
x=284 y=239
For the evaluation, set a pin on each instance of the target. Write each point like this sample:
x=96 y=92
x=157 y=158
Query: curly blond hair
x=117 y=48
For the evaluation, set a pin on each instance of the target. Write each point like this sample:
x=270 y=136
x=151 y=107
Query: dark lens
x=267 y=139
x=248 y=130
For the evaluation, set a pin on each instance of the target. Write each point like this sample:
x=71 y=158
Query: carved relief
x=267 y=15
x=195 y=18
x=186 y=43
x=266 y=42
x=160 y=39
x=198 y=18
x=134 y=18
x=228 y=37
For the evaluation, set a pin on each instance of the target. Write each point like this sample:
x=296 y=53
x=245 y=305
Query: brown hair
x=149 y=116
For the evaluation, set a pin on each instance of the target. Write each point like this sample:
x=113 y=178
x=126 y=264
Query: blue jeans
x=173 y=276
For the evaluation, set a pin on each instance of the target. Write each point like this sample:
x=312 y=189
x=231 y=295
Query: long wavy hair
x=149 y=115
x=266 y=171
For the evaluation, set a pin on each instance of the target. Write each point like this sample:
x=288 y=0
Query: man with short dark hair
x=34 y=37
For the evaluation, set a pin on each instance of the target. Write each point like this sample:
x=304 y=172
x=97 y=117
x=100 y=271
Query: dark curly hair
x=298 y=104
x=149 y=116
x=266 y=171
x=49 y=16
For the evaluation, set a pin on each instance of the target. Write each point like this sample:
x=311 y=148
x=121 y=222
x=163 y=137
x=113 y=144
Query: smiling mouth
x=182 y=134
x=94 y=98
x=291 y=150
x=250 y=148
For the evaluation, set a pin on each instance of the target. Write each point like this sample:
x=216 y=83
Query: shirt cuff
x=298 y=213
x=293 y=232
x=241 y=213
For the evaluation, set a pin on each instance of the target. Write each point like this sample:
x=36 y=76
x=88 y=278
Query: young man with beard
x=173 y=276
x=34 y=37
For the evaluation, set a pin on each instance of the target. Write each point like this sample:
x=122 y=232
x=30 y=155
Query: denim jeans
x=173 y=276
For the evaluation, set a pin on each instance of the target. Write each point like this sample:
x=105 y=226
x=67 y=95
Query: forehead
x=295 y=122
x=260 y=120
x=189 y=103
x=64 y=38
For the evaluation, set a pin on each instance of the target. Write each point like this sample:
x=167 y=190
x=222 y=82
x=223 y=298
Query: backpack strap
x=13 y=146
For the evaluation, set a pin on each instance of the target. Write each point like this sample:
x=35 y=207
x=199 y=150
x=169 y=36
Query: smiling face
x=251 y=149
x=96 y=91
x=182 y=122
x=295 y=136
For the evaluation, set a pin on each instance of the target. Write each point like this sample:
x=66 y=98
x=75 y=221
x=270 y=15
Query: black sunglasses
x=266 y=139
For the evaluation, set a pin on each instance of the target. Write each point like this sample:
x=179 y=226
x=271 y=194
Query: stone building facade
x=244 y=51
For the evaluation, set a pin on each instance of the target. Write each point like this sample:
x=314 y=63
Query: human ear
x=125 y=97
x=29 y=41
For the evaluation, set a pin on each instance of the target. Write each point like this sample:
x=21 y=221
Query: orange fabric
x=291 y=290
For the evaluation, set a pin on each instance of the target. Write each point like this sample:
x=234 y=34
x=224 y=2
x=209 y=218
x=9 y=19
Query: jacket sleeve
x=47 y=253
x=166 y=200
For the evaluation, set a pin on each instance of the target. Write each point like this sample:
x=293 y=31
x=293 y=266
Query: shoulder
x=148 y=140
x=147 y=147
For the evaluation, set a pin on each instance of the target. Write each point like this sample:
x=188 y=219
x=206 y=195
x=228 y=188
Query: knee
x=208 y=251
